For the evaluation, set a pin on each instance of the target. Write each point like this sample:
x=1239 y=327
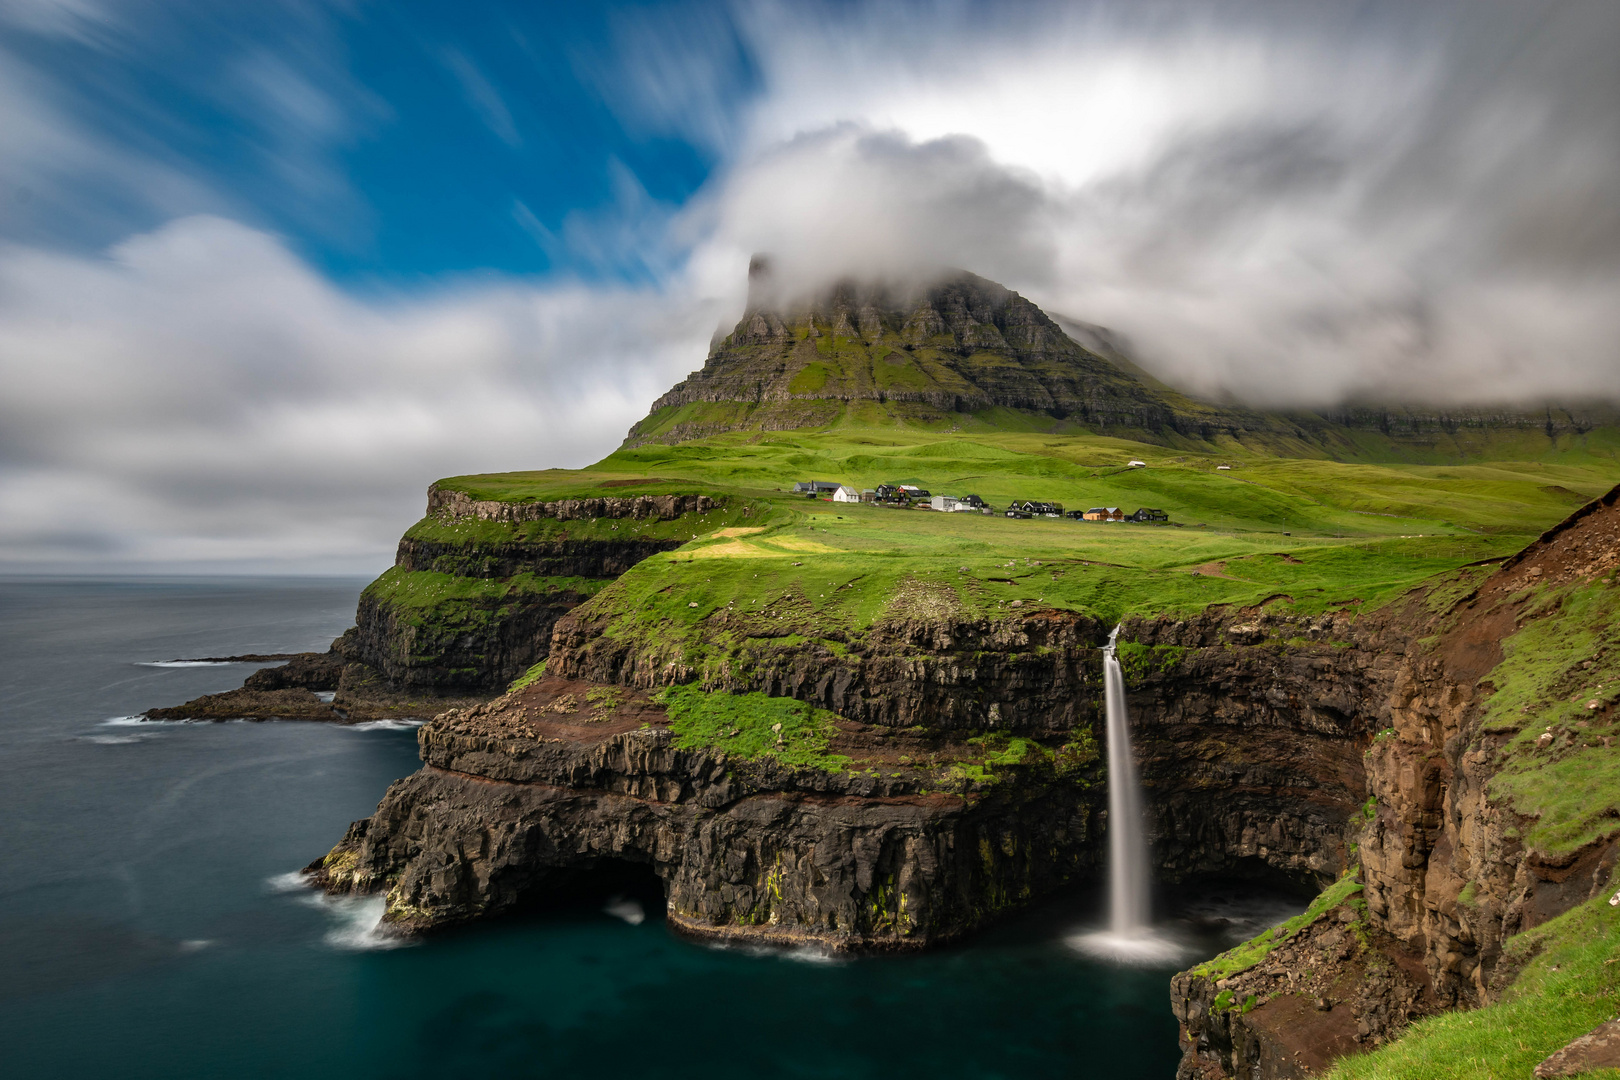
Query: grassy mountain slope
x=971 y=357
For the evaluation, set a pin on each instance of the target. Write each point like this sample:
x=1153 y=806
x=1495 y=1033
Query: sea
x=152 y=923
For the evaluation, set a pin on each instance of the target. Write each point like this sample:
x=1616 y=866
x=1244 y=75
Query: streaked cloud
x=1292 y=204
x=200 y=394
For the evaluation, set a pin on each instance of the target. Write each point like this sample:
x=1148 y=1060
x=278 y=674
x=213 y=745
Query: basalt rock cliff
x=1451 y=863
x=1252 y=753
x=468 y=606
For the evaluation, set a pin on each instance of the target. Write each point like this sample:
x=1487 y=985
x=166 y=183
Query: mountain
x=967 y=354
x=964 y=352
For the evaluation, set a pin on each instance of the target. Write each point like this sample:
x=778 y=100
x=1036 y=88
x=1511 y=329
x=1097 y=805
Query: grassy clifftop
x=1321 y=534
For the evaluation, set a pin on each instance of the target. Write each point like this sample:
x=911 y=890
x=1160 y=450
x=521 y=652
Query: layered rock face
x=1251 y=749
x=450 y=503
x=482 y=638
x=457 y=618
x=521 y=799
x=1251 y=734
x=1445 y=859
x=1251 y=754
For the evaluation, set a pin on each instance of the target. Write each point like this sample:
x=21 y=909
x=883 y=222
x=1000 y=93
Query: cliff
x=963 y=761
x=468 y=606
x=1492 y=810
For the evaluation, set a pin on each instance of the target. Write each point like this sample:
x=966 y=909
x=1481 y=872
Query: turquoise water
x=146 y=929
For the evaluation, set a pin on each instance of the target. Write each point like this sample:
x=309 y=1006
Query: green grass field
x=1310 y=534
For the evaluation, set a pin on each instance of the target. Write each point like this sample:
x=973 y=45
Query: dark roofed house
x=1149 y=514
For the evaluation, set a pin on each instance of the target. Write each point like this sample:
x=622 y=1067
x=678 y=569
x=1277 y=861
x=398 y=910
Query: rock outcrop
x=458 y=617
x=1449 y=871
x=521 y=798
x=1251 y=752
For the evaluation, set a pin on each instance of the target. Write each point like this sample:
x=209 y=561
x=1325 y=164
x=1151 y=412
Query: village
x=912 y=497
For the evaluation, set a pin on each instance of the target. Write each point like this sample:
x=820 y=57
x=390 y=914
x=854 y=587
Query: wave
x=296 y=881
x=386 y=725
x=357 y=924
x=189 y=663
x=631 y=911
x=355 y=921
x=118 y=740
x=799 y=954
x=124 y=721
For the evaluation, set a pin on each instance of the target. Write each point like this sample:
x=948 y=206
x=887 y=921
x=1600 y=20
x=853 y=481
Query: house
x=846 y=494
x=948 y=503
x=1105 y=513
x=913 y=492
x=868 y=495
x=1136 y=464
x=1149 y=514
x=1076 y=515
x=973 y=502
x=1033 y=508
x=815 y=488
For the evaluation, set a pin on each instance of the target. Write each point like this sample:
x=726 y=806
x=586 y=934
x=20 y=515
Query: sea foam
x=385 y=725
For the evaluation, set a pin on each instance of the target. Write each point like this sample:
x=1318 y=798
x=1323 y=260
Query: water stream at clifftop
x=144 y=933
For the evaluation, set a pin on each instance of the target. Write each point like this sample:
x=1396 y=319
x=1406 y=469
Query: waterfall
x=1130 y=937
x=1128 y=897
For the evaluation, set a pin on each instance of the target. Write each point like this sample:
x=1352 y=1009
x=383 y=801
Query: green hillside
x=968 y=356
x=1312 y=534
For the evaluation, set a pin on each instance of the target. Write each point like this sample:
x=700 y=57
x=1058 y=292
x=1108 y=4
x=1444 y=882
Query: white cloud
x=1293 y=207
x=200 y=393
x=1295 y=204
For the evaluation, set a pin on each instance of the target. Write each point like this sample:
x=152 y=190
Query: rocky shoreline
x=960 y=780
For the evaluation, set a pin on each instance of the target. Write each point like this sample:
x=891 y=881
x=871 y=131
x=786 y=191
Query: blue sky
x=388 y=141
x=268 y=269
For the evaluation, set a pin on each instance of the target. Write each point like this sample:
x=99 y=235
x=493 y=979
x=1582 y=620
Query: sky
x=269 y=269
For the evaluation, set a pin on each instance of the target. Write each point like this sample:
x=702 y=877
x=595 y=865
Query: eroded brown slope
x=1448 y=871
